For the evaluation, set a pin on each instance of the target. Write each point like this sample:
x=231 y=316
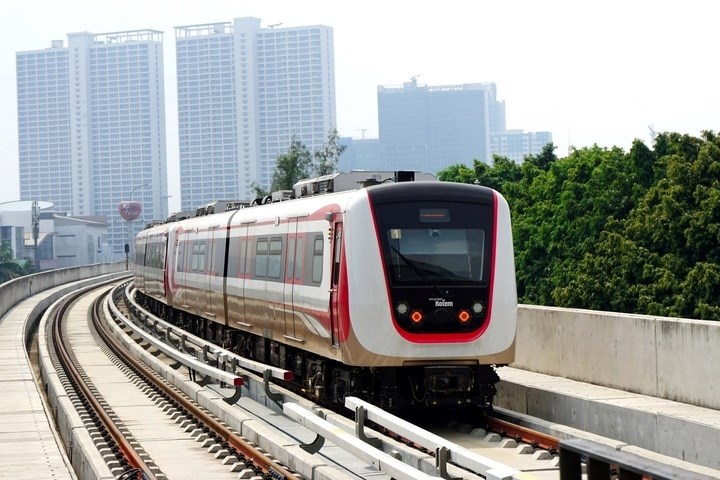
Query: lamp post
x=129 y=211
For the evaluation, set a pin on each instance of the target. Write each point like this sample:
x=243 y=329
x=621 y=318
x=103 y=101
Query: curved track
x=135 y=461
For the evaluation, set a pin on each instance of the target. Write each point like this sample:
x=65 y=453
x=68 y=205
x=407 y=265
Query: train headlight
x=416 y=316
x=478 y=307
x=463 y=316
x=402 y=308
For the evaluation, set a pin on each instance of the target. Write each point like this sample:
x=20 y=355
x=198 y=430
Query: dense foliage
x=9 y=268
x=605 y=229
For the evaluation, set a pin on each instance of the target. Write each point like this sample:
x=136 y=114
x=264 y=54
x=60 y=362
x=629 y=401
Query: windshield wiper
x=417 y=270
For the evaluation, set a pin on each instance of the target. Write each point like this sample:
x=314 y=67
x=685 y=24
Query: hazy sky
x=588 y=71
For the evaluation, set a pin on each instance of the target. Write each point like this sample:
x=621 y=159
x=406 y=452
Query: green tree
x=328 y=157
x=544 y=159
x=457 y=173
x=9 y=268
x=258 y=190
x=559 y=209
x=663 y=257
x=295 y=165
x=500 y=175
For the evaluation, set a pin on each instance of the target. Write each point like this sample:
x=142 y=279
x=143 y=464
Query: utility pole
x=36 y=232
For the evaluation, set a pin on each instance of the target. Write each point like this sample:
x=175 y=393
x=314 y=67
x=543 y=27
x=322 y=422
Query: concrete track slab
x=682 y=434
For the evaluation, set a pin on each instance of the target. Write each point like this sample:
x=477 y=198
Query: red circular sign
x=129 y=210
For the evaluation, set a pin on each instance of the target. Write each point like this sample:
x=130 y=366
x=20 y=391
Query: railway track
x=250 y=439
x=130 y=458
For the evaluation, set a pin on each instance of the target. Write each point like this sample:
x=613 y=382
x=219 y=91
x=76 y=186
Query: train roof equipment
x=220 y=206
x=352 y=180
x=334 y=182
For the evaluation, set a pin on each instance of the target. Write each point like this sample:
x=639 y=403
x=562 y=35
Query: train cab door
x=335 y=280
x=293 y=254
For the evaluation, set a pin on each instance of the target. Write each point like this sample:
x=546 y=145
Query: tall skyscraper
x=429 y=128
x=91 y=127
x=244 y=92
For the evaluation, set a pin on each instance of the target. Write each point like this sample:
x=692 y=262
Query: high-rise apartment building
x=244 y=92
x=91 y=127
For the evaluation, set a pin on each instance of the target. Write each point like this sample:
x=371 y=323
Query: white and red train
x=401 y=293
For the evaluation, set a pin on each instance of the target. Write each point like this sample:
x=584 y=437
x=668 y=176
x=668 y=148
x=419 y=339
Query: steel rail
x=522 y=434
x=127 y=451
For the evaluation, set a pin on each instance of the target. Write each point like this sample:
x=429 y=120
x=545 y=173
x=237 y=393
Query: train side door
x=291 y=255
x=215 y=266
x=179 y=281
x=240 y=250
x=335 y=280
x=166 y=265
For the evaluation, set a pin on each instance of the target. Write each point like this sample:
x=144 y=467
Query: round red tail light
x=416 y=316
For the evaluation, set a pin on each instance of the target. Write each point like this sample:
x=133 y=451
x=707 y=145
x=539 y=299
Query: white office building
x=91 y=127
x=244 y=92
x=517 y=144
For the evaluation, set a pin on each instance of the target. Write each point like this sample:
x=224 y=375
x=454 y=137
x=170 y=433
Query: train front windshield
x=435 y=244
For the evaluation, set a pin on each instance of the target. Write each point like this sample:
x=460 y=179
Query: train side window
x=151 y=255
x=197 y=261
x=298 y=259
x=261 y=257
x=148 y=255
x=202 y=253
x=317 y=259
x=336 y=257
x=140 y=257
x=193 y=257
x=218 y=257
x=275 y=258
x=244 y=264
x=233 y=258
x=161 y=254
x=180 y=266
x=290 y=267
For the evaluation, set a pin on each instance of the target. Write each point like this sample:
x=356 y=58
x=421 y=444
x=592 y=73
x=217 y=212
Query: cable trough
x=206 y=421
x=164 y=334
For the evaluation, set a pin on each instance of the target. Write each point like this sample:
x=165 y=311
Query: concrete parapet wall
x=80 y=447
x=18 y=289
x=670 y=358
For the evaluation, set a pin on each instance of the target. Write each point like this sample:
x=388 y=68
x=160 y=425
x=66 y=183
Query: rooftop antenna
x=363 y=130
x=274 y=25
x=413 y=79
